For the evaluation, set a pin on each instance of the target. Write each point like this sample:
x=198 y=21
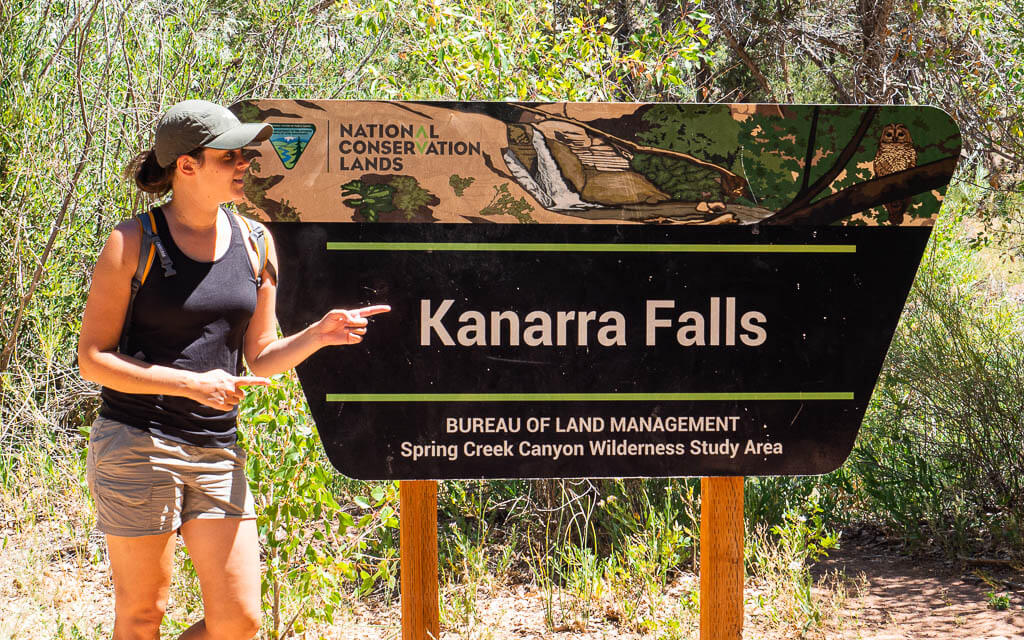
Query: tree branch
x=809 y=157
x=872 y=193
x=803 y=199
x=841 y=93
x=747 y=60
x=824 y=40
x=12 y=338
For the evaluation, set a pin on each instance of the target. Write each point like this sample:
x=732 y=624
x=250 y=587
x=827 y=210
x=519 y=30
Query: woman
x=162 y=455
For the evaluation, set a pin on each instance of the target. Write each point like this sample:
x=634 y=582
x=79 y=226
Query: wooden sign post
x=721 y=558
x=418 y=547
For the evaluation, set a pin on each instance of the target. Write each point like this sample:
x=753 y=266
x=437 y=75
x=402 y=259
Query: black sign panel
x=627 y=334
x=596 y=351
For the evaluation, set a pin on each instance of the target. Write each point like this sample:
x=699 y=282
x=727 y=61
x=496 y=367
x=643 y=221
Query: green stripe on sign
x=584 y=397
x=591 y=247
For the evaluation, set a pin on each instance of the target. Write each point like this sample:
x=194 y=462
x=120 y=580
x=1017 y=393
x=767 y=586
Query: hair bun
x=148 y=175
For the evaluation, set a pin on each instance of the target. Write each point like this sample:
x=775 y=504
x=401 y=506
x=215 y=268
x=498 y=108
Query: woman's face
x=224 y=170
x=217 y=176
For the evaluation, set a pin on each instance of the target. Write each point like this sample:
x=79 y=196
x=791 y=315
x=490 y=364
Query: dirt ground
x=888 y=595
x=901 y=597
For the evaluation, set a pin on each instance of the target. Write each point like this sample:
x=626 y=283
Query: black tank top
x=194 y=320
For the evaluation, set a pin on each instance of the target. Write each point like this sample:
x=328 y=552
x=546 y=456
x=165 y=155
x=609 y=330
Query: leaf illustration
x=371 y=199
x=459 y=184
x=409 y=196
x=504 y=202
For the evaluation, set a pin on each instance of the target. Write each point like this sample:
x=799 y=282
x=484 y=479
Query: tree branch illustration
x=729 y=178
x=865 y=195
x=804 y=198
x=810 y=151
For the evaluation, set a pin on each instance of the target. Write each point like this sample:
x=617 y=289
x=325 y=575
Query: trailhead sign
x=596 y=290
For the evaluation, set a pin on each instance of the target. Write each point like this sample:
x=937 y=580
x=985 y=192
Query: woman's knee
x=242 y=624
x=138 y=621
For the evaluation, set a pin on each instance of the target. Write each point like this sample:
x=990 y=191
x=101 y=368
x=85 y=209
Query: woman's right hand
x=221 y=390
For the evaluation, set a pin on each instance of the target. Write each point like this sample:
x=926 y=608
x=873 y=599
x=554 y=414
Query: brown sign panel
x=597 y=289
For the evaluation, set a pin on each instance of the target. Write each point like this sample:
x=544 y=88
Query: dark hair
x=149 y=176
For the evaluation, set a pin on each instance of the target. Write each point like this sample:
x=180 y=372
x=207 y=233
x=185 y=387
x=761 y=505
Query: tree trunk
x=870 y=78
x=624 y=22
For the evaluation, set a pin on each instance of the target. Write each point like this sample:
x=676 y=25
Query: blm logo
x=290 y=140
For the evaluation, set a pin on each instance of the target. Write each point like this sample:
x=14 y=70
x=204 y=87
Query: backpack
x=152 y=248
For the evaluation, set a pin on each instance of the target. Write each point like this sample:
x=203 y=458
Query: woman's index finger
x=247 y=381
x=373 y=310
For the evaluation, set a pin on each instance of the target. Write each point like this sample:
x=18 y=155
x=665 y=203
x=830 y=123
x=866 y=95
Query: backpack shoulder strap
x=147 y=250
x=150 y=236
x=149 y=247
x=261 y=244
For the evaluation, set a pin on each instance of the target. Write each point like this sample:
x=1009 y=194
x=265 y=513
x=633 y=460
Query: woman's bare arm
x=267 y=354
x=105 y=308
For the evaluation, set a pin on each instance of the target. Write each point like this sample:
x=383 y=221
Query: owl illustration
x=895 y=153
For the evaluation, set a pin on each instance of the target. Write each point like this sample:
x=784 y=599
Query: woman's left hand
x=346 y=326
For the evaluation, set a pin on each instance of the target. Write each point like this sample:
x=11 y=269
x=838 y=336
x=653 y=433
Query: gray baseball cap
x=193 y=124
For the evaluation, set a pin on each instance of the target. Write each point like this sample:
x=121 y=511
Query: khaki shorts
x=144 y=485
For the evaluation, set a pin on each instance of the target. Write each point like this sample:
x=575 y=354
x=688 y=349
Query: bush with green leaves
x=939 y=455
x=779 y=558
x=658 y=531
x=512 y=50
x=320 y=538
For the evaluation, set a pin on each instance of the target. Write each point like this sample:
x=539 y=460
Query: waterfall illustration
x=546 y=184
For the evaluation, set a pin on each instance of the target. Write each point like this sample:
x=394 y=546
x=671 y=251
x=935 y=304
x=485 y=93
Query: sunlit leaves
x=470 y=50
x=319 y=539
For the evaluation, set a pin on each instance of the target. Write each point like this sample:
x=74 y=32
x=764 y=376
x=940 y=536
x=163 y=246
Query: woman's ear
x=186 y=165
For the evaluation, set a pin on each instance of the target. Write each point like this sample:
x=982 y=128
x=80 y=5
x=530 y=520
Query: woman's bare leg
x=225 y=553
x=142 y=569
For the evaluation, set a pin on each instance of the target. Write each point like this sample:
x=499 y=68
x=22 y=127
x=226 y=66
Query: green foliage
x=938 y=457
x=467 y=50
x=998 y=601
x=460 y=184
x=370 y=200
x=476 y=546
x=709 y=133
x=984 y=92
x=665 y=510
x=504 y=203
x=83 y=85
x=780 y=560
x=315 y=549
x=409 y=196
x=767 y=499
x=659 y=531
x=803 y=534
